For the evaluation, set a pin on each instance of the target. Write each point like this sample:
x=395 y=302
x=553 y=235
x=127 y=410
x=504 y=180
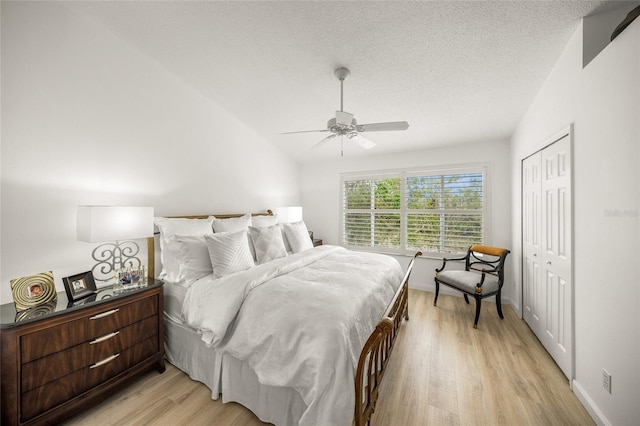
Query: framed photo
x=79 y=286
x=33 y=290
x=131 y=277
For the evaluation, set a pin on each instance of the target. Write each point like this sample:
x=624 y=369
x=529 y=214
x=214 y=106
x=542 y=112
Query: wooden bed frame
x=377 y=349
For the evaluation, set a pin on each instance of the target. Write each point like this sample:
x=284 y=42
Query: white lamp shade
x=111 y=223
x=289 y=214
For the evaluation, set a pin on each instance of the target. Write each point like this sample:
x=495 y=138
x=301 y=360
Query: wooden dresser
x=58 y=363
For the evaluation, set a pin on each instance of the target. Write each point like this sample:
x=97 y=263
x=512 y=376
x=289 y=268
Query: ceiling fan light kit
x=345 y=124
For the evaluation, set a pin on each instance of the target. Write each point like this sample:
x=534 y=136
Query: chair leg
x=435 y=300
x=478 y=306
x=466 y=299
x=499 y=305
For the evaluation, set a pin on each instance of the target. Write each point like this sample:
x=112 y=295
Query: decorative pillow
x=264 y=221
x=268 y=243
x=287 y=246
x=232 y=224
x=195 y=261
x=235 y=224
x=229 y=252
x=169 y=250
x=298 y=236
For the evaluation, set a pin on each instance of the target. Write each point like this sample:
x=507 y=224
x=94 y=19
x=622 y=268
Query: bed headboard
x=151 y=246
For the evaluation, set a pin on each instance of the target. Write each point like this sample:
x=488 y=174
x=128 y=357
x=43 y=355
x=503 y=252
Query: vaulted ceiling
x=458 y=72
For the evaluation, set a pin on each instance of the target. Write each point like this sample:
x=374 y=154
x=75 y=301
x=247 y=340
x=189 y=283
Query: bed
x=294 y=337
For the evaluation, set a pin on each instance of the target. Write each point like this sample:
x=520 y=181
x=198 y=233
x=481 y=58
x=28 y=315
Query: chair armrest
x=487 y=270
x=445 y=260
x=479 y=285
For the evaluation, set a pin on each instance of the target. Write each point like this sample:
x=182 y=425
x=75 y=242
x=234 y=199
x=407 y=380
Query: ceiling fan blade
x=383 y=127
x=362 y=141
x=344 y=118
x=304 y=131
x=324 y=141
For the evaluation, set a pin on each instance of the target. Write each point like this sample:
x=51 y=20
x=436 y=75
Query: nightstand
x=67 y=357
x=317 y=242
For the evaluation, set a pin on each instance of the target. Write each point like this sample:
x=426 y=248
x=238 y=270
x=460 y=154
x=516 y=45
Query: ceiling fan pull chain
x=341 y=146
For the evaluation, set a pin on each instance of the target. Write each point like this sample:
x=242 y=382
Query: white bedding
x=299 y=322
x=174 y=295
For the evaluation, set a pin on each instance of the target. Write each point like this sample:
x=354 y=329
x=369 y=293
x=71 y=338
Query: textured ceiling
x=456 y=71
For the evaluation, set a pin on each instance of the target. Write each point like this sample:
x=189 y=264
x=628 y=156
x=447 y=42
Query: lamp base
x=113 y=257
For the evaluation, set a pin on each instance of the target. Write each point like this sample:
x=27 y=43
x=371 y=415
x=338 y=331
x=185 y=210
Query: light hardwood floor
x=442 y=371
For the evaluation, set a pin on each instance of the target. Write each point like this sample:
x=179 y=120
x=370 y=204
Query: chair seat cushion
x=467 y=280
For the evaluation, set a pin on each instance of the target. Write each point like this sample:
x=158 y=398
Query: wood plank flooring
x=442 y=371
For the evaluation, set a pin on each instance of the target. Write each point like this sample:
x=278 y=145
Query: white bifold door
x=546 y=250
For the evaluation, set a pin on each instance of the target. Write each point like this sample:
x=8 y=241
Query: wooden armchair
x=482 y=277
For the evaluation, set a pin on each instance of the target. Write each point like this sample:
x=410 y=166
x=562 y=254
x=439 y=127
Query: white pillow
x=169 y=250
x=229 y=252
x=268 y=243
x=235 y=224
x=232 y=224
x=298 y=236
x=195 y=261
x=264 y=221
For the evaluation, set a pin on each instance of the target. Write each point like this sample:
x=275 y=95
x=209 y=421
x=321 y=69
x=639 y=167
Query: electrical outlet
x=606 y=380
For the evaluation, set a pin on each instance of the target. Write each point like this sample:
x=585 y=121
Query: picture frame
x=79 y=286
x=33 y=290
x=130 y=278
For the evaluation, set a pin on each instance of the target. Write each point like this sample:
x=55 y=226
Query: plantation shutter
x=371 y=212
x=405 y=211
x=445 y=213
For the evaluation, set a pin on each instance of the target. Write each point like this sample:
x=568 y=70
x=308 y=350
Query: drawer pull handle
x=105 y=361
x=104 y=314
x=103 y=338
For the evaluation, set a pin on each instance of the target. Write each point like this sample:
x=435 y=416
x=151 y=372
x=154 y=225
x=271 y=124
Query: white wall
x=87 y=119
x=603 y=102
x=552 y=111
x=321 y=195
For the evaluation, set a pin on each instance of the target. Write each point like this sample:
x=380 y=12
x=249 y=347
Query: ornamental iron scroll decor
x=113 y=257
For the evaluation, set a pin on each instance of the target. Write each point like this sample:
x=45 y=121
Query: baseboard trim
x=594 y=411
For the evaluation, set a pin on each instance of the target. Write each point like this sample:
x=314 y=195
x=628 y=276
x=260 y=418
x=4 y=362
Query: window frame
x=403 y=174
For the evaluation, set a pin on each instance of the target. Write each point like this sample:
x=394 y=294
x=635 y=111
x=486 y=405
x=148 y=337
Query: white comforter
x=299 y=322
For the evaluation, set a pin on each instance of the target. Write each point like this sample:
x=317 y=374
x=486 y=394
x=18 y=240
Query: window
x=404 y=211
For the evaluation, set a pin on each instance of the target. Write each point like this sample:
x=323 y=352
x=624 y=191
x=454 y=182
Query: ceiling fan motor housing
x=342 y=129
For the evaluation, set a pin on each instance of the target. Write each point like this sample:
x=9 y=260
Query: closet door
x=531 y=248
x=547 y=253
x=556 y=252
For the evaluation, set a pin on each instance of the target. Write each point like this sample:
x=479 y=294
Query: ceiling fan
x=344 y=124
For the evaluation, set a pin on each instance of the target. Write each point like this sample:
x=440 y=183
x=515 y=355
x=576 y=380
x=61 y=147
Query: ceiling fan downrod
x=341 y=73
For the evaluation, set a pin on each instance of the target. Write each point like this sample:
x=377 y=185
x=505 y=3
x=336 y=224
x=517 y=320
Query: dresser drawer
x=95 y=323
x=41 y=399
x=52 y=367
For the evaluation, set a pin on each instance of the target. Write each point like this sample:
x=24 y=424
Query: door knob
x=548 y=262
